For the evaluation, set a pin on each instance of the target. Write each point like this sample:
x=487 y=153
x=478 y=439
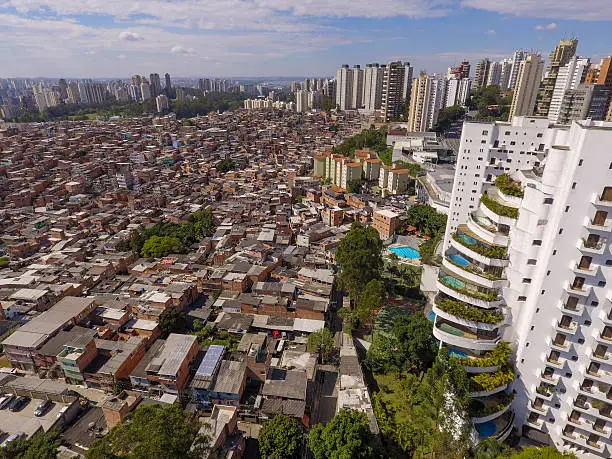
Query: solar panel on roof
x=210 y=360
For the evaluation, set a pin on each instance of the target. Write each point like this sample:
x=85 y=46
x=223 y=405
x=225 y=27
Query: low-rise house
x=115 y=360
x=255 y=349
x=205 y=374
x=284 y=392
x=76 y=354
x=170 y=367
x=229 y=383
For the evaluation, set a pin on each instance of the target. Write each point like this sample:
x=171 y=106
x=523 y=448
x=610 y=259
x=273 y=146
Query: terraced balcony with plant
x=462 y=286
x=461 y=331
x=463 y=236
x=500 y=356
x=480 y=408
x=472 y=267
x=467 y=311
x=508 y=186
x=497 y=208
x=490 y=381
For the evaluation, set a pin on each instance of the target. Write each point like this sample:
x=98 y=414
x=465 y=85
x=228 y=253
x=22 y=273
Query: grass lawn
x=4 y=363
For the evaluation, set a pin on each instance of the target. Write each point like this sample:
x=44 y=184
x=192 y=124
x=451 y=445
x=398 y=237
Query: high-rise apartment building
x=344 y=87
x=494 y=74
x=527 y=84
x=162 y=103
x=373 y=78
x=357 y=95
x=569 y=77
x=301 y=101
x=518 y=57
x=524 y=271
x=504 y=74
x=460 y=71
x=561 y=55
x=145 y=90
x=394 y=89
x=168 y=82
x=457 y=91
x=584 y=102
x=155 y=84
x=482 y=74
x=605 y=78
x=425 y=96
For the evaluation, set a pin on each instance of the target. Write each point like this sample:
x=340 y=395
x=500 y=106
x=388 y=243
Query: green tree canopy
x=171 y=321
x=373 y=138
x=157 y=247
x=151 y=431
x=447 y=116
x=372 y=296
x=281 y=438
x=40 y=446
x=346 y=436
x=359 y=256
x=426 y=218
x=548 y=452
x=490 y=448
x=321 y=342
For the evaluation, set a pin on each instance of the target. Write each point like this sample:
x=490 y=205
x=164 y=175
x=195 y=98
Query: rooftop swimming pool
x=486 y=429
x=459 y=260
x=405 y=252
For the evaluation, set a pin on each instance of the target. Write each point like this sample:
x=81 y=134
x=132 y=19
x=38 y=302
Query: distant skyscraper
x=344 y=87
x=155 y=83
x=569 y=77
x=301 y=101
x=457 y=91
x=162 y=103
x=494 y=74
x=373 y=78
x=583 y=102
x=605 y=78
x=357 y=95
x=505 y=74
x=394 y=89
x=420 y=101
x=460 y=71
x=145 y=90
x=561 y=55
x=518 y=57
x=168 y=82
x=527 y=84
x=482 y=73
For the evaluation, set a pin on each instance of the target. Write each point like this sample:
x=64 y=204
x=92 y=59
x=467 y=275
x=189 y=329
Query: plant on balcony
x=494 y=251
x=489 y=296
x=474 y=270
x=469 y=312
x=499 y=356
x=499 y=209
x=544 y=390
x=490 y=381
x=480 y=411
x=508 y=186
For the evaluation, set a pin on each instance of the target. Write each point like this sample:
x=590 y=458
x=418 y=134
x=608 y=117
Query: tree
x=372 y=297
x=490 y=448
x=346 y=436
x=548 y=452
x=359 y=256
x=321 y=342
x=157 y=247
x=225 y=165
x=416 y=344
x=281 y=438
x=171 y=321
x=425 y=217
x=447 y=116
x=151 y=431
x=40 y=446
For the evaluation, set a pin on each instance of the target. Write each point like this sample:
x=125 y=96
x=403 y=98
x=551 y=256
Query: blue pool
x=456 y=353
x=468 y=239
x=459 y=260
x=449 y=280
x=431 y=316
x=486 y=429
x=405 y=252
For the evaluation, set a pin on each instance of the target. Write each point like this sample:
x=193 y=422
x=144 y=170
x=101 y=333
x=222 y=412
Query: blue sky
x=118 y=38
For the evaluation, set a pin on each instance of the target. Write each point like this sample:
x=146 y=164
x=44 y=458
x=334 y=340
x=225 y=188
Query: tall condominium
x=373 y=78
x=357 y=96
x=426 y=99
x=162 y=103
x=524 y=273
x=457 y=91
x=568 y=77
x=583 y=102
x=394 y=89
x=527 y=84
x=561 y=55
x=481 y=75
x=494 y=74
x=605 y=78
x=168 y=81
x=301 y=101
x=505 y=73
x=155 y=84
x=344 y=87
x=460 y=71
x=518 y=57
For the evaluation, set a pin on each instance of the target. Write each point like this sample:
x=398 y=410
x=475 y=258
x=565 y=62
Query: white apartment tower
x=494 y=75
x=357 y=96
x=527 y=86
x=518 y=57
x=420 y=100
x=301 y=101
x=373 y=78
x=457 y=91
x=569 y=77
x=344 y=87
x=525 y=263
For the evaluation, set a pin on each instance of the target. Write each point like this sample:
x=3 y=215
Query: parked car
x=11 y=438
x=19 y=403
x=5 y=401
x=43 y=407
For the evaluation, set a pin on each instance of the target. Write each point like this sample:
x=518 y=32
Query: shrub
x=490 y=381
x=489 y=296
x=508 y=186
x=499 y=209
x=494 y=251
x=500 y=356
x=469 y=312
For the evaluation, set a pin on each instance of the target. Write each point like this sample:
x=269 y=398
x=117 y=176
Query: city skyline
x=271 y=38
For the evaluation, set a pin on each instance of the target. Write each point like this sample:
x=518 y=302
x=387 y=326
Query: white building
x=357 y=95
x=518 y=57
x=457 y=91
x=527 y=86
x=494 y=74
x=525 y=262
x=162 y=103
x=373 y=78
x=301 y=101
x=344 y=87
x=569 y=77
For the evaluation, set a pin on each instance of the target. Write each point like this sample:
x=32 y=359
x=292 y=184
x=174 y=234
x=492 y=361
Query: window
x=532 y=261
x=539 y=135
x=507 y=133
x=580 y=162
x=580 y=340
x=526 y=280
x=554 y=252
x=601 y=283
x=548 y=200
x=561 y=231
x=485 y=132
x=522 y=298
x=532 y=327
x=608 y=262
x=594 y=303
x=537 y=242
x=548 y=272
x=587 y=322
x=567 y=208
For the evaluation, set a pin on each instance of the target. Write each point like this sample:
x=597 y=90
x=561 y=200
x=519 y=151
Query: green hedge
x=494 y=206
x=495 y=251
x=490 y=381
x=491 y=296
x=508 y=186
x=469 y=312
x=500 y=356
x=488 y=410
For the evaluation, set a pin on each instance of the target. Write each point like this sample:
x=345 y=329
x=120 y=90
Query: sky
x=240 y=38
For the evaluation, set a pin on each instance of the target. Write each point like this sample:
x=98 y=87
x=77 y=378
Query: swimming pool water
x=468 y=239
x=453 y=282
x=459 y=260
x=486 y=429
x=456 y=353
x=431 y=316
x=405 y=252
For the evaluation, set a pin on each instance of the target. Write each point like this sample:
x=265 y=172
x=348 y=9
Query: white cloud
x=182 y=50
x=491 y=32
x=130 y=36
x=582 y=10
x=551 y=26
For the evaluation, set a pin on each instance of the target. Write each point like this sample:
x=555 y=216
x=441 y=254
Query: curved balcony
x=464 y=322
x=468 y=315
x=507 y=200
x=485 y=304
x=497 y=212
x=485 y=229
x=499 y=428
x=486 y=393
x=478 y=249
x=476 y=294
x=457 y=335
x=489 y=408
x=461 y=266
